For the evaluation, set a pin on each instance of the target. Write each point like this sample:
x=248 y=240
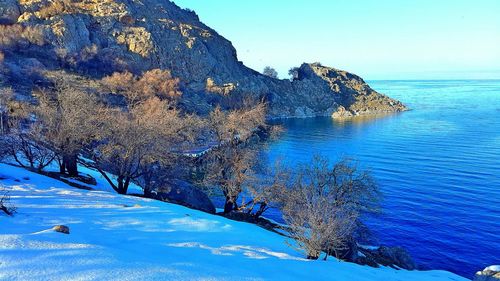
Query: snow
x=114 y=237
x=495 y=268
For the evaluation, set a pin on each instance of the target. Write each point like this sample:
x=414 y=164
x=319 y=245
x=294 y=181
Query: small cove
x=438 y=166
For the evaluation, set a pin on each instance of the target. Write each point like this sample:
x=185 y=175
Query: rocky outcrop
x=95 y=38
x=396 y=257
x=183 y=193
x=9 y=11
x=491 y=273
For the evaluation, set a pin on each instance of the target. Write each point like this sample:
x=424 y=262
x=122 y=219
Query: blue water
x=438 y=167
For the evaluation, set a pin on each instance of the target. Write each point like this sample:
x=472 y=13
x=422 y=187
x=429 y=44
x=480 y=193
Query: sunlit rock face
x=95 y=38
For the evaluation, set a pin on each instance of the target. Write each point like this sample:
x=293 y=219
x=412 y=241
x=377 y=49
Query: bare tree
x=68 y=117
x=322 y=205
x=5 y=205
x=230 y=163
x=271 y=72
x=264 y=190
x=132 y=142
x=27 y=146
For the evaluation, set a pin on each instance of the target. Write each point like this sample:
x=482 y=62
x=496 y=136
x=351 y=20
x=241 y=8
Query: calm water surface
x=438 y=167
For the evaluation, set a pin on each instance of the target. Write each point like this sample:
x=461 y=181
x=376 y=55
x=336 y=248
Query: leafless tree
x=263 y=192
x=5 y=205
x=230 y=163
x=322 y=205
x=26 y=145
x=68 y=117
x=131 y=141
x=271 y=72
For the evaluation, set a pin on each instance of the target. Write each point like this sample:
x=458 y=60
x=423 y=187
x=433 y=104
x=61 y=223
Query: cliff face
x=97 y=37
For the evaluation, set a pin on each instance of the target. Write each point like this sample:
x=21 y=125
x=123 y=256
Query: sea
x=437 y=165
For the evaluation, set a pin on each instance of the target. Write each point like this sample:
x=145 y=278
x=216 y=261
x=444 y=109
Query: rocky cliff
x=96 y=37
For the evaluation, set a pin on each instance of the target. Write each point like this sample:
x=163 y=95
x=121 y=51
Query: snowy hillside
x=115 y=237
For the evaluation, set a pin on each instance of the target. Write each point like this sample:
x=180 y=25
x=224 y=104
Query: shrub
x=160 y=83
x=271 y=72
x=153 y=83
x=322 y=205
x=294 y=73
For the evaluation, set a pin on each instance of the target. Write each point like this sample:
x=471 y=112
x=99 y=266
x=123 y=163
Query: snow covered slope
x=117 y=237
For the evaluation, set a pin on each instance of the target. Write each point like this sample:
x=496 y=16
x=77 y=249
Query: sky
x=377 y=39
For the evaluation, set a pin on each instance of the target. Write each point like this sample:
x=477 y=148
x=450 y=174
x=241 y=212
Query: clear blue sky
x=377 y=39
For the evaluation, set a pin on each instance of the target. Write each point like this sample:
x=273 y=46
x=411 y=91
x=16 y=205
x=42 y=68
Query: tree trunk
x=62 y=167
x=4 y=123
x=125 y=185
x=148 y=193
x=6 y=210
x=312 y=257
x=262 y=209
x=120 y=185
x=71 y=165
x=228 y=205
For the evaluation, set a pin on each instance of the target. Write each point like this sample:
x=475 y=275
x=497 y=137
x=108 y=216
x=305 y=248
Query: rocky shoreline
x=491 y=273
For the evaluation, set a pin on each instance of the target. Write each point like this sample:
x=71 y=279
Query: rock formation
x=183 y=193
x=96 y=37
x=61 y=229
x=491 y=273
x=395 y=257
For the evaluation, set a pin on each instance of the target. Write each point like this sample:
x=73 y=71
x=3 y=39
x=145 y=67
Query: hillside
x=115 y=237
x=95 y=38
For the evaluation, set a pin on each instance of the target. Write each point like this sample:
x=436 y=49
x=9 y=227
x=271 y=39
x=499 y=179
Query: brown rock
x=61 y=228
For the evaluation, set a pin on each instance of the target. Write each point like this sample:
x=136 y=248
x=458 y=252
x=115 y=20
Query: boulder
x=9 y=11
x=491 y=273
x=342 y=113
x=184 y=193
x=349 y=253
x=396 y=257
x=61 y=229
